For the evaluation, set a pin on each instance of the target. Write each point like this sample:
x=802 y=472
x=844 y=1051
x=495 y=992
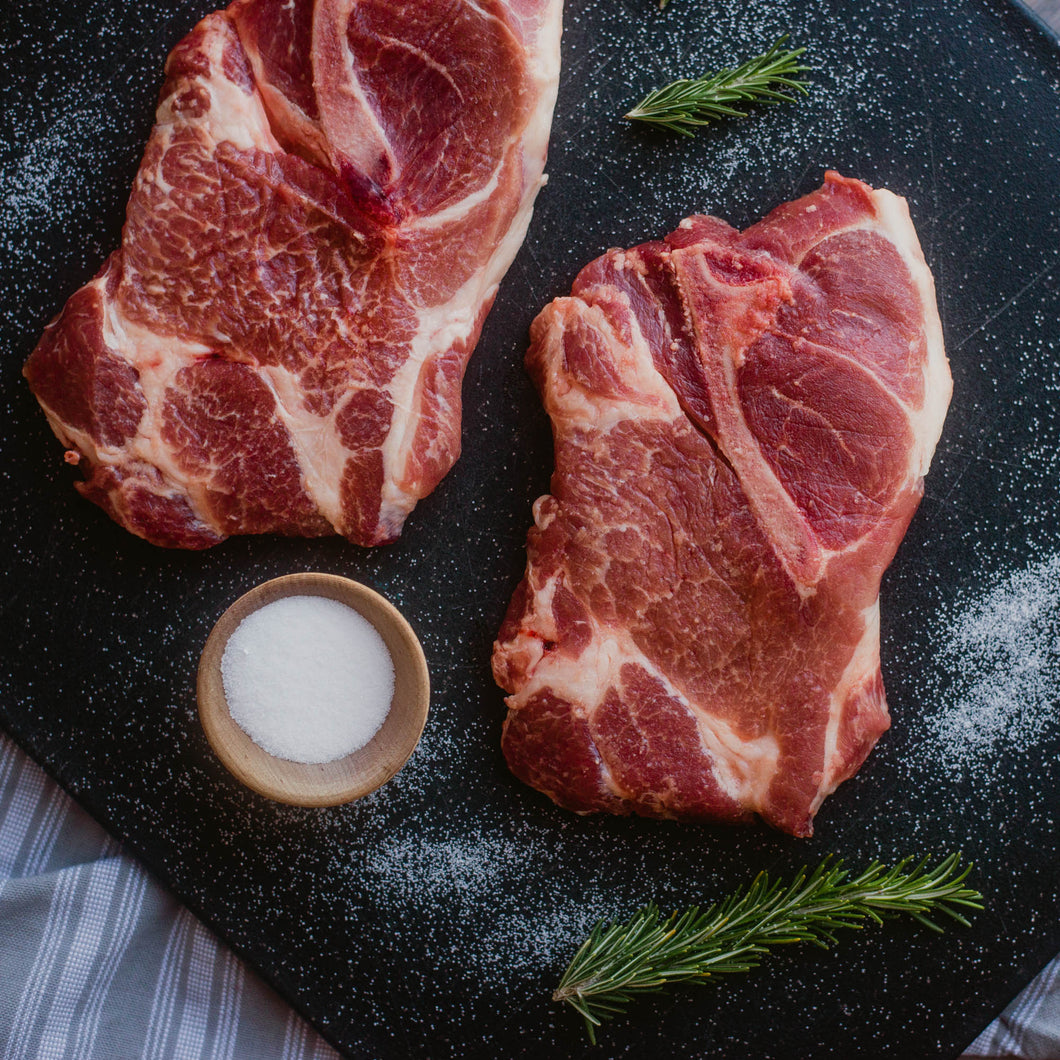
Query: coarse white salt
x=307 y=678
x=1002 y=660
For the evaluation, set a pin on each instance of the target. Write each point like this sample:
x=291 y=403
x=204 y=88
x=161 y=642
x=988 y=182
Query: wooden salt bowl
x=325 y=783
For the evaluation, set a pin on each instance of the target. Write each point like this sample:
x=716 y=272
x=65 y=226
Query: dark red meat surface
x=330 y=196
x=742 y=424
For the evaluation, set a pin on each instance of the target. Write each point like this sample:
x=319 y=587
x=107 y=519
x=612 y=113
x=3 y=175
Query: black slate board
x=432 y=918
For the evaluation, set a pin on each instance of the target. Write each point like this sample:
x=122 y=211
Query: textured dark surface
x=432 y=918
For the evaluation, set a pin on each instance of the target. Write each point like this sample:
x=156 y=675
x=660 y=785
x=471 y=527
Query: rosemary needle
x=684 y=105
x=644 y=954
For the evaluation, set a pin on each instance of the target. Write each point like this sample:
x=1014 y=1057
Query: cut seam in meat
x=722 y=746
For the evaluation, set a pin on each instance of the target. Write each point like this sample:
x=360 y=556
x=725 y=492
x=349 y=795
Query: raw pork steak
x=742 y=423
x=328 y=201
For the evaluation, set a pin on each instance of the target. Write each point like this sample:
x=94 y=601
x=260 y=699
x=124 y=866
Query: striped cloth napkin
x=99 y=962
x=1030 y=1027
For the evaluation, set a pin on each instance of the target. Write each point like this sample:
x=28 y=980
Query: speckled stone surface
x=432 y=918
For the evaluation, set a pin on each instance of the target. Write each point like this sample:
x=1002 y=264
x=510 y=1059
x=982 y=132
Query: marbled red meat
x=330 y=196
x=742 y=424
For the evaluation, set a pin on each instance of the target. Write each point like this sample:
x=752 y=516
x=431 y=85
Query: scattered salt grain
x=1003 y=656
x=307 y=678
x=441 y=883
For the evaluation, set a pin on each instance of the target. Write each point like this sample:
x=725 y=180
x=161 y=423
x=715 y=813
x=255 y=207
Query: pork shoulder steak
x=742 y=424
x=327 y=203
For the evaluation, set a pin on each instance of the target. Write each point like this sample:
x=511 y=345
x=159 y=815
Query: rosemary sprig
x=684 y=105
x=642 y=955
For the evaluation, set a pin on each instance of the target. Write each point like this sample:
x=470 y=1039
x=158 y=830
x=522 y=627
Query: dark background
x=434 y=917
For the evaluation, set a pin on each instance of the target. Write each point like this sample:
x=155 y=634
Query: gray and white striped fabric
x=99 y=962
x=1030 y=1027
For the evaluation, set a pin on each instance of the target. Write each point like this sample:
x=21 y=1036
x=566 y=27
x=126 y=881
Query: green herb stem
x=685 y=105
x=647 y=952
